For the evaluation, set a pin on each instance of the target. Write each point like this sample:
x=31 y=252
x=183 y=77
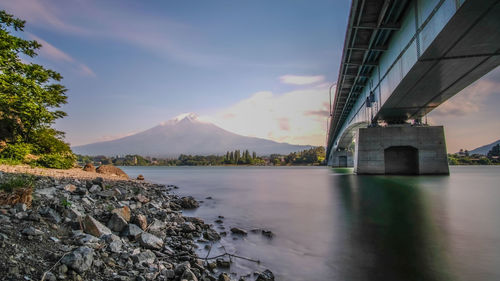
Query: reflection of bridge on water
x=401 y=60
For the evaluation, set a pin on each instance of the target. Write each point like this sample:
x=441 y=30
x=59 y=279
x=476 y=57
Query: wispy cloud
x=159 y=35
x=295 y=117
x=301 y=80
x=49 y=51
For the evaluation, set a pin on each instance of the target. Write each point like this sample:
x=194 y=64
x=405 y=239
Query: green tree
x=495 y=151
x=30 y=96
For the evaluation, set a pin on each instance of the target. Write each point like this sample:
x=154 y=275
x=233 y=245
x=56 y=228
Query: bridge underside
x=467 y=48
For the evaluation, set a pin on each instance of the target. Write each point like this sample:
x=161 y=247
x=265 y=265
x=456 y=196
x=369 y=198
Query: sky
x=254 y=67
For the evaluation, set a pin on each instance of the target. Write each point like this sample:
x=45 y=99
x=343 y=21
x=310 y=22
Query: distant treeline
x=465 y=158
x=313 y=156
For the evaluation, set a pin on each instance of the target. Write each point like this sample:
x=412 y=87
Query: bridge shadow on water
x=387 y=230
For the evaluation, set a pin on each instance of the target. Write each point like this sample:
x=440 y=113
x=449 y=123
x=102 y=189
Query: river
x=339 y=226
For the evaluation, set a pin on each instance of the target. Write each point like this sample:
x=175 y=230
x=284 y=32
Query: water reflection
x=389 y=231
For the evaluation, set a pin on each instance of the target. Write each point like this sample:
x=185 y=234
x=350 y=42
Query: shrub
x=16 y=152
x=18 y=181
x=56 y=160
x=49 y=141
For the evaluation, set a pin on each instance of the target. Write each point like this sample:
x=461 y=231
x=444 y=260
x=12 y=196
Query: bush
x=18 y=181
x=49 y=141
x=57 y=160
x=16 y=152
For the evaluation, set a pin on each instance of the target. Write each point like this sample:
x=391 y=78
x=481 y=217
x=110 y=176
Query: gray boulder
x=267 y=275
x=189 y=275
x=117 y=223
x=131 y=231
x=80 y=259
x=146 y=256
x=150 y=241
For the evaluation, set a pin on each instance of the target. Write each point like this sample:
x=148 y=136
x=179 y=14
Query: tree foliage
x=30 y=94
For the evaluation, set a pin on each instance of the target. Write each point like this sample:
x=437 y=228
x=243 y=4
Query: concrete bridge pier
x=341 y=159
x=401 y=149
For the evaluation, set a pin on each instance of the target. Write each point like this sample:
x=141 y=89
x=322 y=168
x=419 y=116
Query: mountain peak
x=191 y=117
x=188 y=116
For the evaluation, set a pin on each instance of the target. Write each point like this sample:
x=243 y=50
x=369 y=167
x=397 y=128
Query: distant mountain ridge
x=185 y=134
x=484 y=149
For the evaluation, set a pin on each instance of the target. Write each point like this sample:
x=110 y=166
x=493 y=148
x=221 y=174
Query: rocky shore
x=87 y=226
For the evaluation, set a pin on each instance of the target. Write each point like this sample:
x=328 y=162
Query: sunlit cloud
x=295 y=117
x=469 y=100
x=301 y=80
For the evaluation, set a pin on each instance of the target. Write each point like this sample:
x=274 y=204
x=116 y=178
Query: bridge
x=402 y=59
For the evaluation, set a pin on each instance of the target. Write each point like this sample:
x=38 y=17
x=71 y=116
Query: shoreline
x=90 y=226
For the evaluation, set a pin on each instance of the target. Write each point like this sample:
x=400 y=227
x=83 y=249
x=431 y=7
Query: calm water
x=331 y=226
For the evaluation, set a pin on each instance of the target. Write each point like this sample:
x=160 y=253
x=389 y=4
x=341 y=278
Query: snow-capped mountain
x=185 y=134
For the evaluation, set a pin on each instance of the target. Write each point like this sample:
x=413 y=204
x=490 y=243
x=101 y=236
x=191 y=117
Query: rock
x=188 y=227
x=95 y=188
x=115 y=246
x=146 y=256
x=51 y=214
x=141 y=198
x=94 y=227
x=124 y=212
x=267 y=233
x=150 y=241
x=89 y=168
x=188 y=203
x=157 y=226
x=117 y=223
x=223 y=263
x=211 y=235
x=80 y=259
x=70 y=187
x=47 y=192
x=81 y=191
x=49 y=276
x=73 y=214
x=140 y=177
x=267 y=275
x=237 y=230
x=86 y=239
x=180 y=268
x=189 y=275
x=170 y=274
x=141 y=221
x=99 y=181
x=20 y=207
x=131 y=231
x=111 y=170
x=32 y=231
x=224 y=277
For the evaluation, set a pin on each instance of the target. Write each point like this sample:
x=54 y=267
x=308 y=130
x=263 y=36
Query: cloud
x=103 y=20
x=284 y=124
x=51 y=52
x=41 y=12
x=471 y=99
x=48 y=50
x=294 y=117
x=321 y=113
x=301 y=80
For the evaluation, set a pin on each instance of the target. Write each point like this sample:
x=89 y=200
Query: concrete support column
x=401 y=150
x=341 y=159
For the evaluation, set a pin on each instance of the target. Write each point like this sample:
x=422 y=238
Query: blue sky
x=130 y=65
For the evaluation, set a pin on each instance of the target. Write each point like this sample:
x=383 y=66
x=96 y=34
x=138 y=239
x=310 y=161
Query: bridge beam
x=401 y=150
